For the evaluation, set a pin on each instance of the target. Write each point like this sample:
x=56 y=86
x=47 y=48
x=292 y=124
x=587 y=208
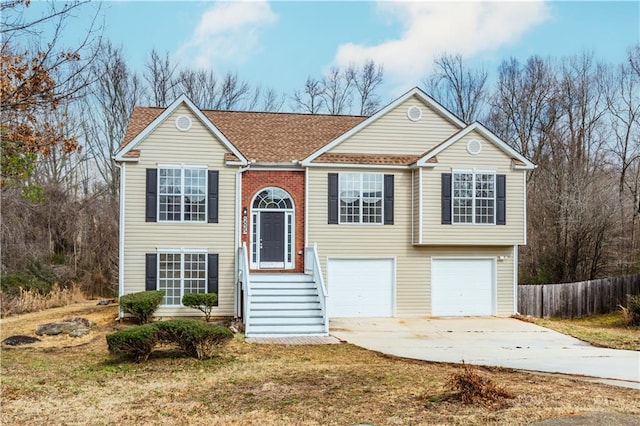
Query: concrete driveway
x=498 y=342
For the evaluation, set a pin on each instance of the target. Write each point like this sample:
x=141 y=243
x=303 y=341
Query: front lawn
x=64 y=382
x=608 y=330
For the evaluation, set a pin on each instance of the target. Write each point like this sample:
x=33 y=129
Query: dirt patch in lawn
x=273 y=385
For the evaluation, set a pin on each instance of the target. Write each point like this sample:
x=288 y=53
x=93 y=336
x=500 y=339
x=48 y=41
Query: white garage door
x=360 y=287
x=462 y=287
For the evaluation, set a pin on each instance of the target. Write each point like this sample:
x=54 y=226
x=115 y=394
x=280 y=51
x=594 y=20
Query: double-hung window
x=182 y=193
x=474 y=197
x=361 y=197
x=181 y=272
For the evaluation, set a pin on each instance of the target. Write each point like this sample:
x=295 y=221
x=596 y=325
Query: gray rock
x=84 y=321
x=79 y=332
x=19 y=339
x=55 y=328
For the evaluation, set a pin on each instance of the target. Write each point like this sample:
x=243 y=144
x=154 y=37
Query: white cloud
x=432 y=28
x=227 y=33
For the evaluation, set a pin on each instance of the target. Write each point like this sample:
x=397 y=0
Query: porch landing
x=295 y=340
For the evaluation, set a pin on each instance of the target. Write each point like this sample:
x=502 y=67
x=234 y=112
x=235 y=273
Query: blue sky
x=278 y=44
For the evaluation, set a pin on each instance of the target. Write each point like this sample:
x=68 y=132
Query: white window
x=182 y=194
x=360 y=197
x=181 y=272
x=474 y=197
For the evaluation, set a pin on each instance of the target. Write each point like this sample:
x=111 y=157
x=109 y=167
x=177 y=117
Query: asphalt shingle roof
x=266 y=137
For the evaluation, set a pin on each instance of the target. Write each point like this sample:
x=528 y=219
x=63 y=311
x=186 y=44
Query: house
x=294 y=218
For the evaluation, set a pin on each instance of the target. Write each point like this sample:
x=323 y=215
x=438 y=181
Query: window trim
x=474 y=172
x=361 y=223
x=182 y=167
x=181 y=251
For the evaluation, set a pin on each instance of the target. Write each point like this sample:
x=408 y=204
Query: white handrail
x=244 y=277
x=312 y=267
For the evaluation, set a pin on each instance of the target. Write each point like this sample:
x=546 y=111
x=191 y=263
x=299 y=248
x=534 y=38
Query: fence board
x=579 y=299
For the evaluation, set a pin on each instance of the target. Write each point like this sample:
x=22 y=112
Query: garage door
x=462 y=287
x=360 y=287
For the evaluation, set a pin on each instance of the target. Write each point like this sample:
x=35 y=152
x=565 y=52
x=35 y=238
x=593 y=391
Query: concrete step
x=291 y=329
x=291 y=313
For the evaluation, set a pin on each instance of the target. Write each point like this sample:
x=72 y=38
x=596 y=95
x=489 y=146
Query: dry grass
x=607 y=331
x=265 y=385
x=32 y=300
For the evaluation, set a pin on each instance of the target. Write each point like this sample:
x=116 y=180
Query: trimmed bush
x=141 y=305
x=196 y=338
x=135 y=342
x=204 y=302
x=631 y=312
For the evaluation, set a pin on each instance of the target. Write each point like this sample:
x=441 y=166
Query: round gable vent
x=474 y=146
x=414 y=113
x=183 y=123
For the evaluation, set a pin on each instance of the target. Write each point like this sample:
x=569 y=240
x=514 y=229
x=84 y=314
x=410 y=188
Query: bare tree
x=523 y=107
x=367 y=79
x=107 y=110
x=309 y=99
x=37 y=78
x=622 y=91
x=159 y=75
x=337 y=88
x=199 y=85
x=232 y=92
x=460 y=89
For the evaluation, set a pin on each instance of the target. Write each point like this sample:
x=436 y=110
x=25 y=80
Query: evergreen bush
x=141 y=305
x=204 y=302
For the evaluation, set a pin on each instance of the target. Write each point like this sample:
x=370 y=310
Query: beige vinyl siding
x=198 y=146
x=456 y=157
x=394 y=133
x=413 y=263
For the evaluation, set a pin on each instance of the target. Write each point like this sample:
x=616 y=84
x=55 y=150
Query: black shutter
x=152 y=196
x=212 y=196
x=212 y=274
x=151 y=272
x=333 y=198
x=501 y=199
x=446 y=198
x=388 y=199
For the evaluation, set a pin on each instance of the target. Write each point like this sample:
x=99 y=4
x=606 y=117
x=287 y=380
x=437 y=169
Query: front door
x=272 y=239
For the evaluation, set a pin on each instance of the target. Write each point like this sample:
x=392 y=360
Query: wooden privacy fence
x=574 y=300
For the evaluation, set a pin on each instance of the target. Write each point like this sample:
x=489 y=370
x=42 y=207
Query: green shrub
x=135 y=342
x=141 y=305
x=196 y=338
x=204 y=302
x=631 y=312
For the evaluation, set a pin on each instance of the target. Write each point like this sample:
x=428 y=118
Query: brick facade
x=253 y=181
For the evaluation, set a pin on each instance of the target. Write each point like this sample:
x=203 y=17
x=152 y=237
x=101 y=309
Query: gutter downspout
x=121 y=197
x=515 y=280
x=238 y=225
